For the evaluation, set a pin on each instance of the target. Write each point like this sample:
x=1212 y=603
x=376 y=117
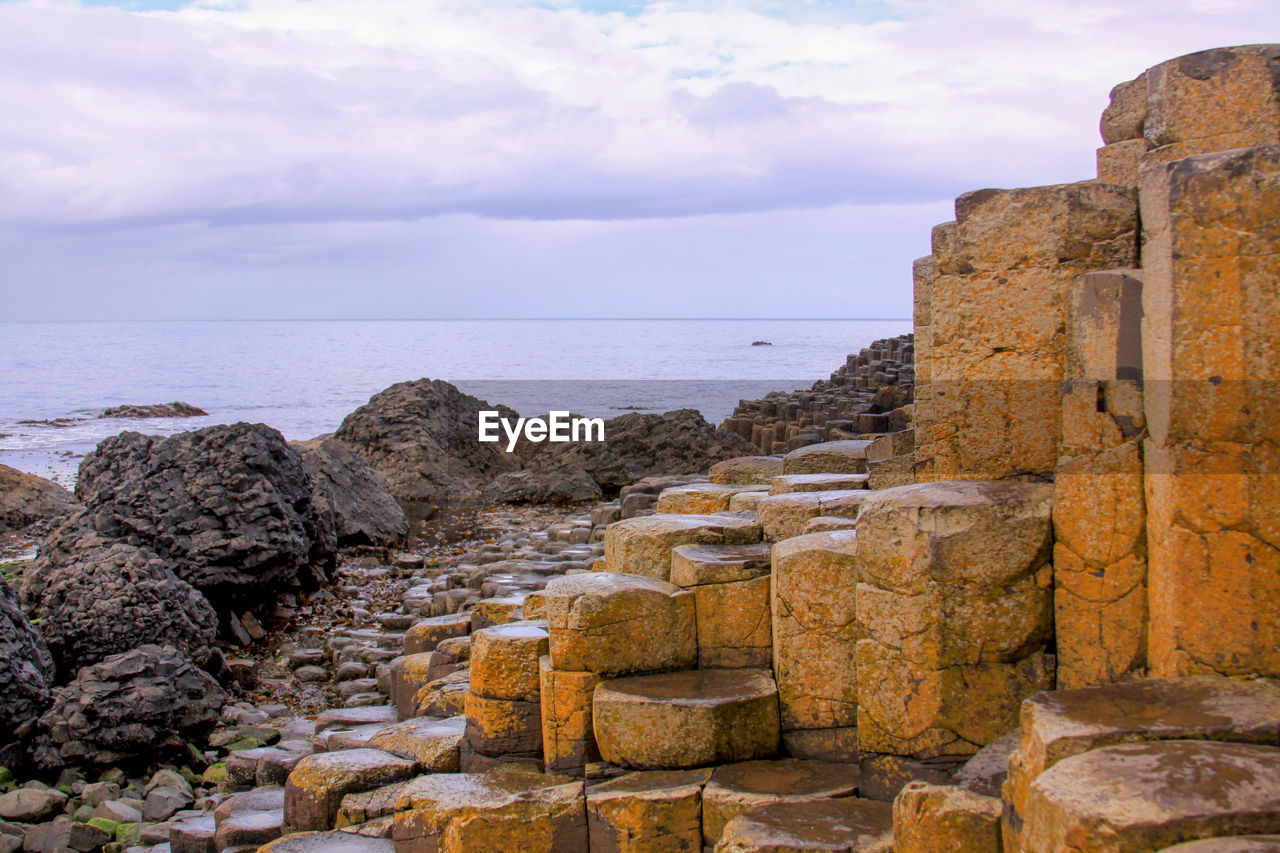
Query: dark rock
x=26 y=667
x=422 y=437
x=352 y=494
x=132 y=708
x=229 y=508
x=543 y=486
x=175 y=409
x=103 y=601
x=28 y=501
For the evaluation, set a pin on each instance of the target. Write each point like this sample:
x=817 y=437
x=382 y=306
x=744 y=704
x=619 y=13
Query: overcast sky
x=511 y=158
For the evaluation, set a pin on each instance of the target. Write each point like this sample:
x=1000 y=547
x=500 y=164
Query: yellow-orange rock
x=649 y=811
x=849 y=825
x=737 y=788
x=409 y=674
x=784 y=516
x=568 y=740
x=847 y=456
x=788 y=483
x=432 y=743
x=499 y=727
x=318 y=783
x=504 y=660
x=497 y=611
x=424 y=636
x=642 y=545
x=701 y=498
x=745 y=470
x=929 y=818
x=445 y=696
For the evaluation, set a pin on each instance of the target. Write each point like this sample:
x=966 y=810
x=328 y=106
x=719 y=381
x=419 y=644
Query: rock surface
x=27 y=500
x=176 y=409
x=130 y=708
x=353 y=494
x=26 y=668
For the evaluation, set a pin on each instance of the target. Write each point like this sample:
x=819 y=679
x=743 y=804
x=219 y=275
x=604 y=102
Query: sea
x=303 y=377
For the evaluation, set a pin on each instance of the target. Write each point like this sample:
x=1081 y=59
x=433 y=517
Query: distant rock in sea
x=176 y=409
x=762 y=343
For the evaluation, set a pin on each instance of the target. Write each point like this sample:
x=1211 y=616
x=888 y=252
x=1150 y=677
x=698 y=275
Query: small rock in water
x=762 y=343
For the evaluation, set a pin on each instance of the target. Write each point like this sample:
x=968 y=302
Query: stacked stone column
x=503 y=706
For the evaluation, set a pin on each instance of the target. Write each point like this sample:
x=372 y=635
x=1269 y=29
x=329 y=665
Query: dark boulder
x=107 y=600
x=176 y=409
x=135 y=708
x=352 y=494
x=29 y=503
x=422 y=436
x=229 y=508
x=26 y=669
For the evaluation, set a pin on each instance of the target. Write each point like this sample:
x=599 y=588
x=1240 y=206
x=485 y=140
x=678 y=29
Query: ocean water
x=303 y=377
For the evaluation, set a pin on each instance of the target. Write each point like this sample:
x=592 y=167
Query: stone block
x=319 y=782
x=737 y=788
x=497 y=611
x=642 y=546
x=649 y=811
x=828 y=523
x=616 y=624
x=686 y=719
x=847 y=824
x=503 y=726
x=838 y=744
x=787 y=483
x=923 y=273
x=928 y=818
x=700 y=498
x=568 y=739
x=511 y=807
x=733 y=624
x=432 y=743
x=847 y=456
x=328 y=842
x=746 y=470
x=425 y=635
x=1120 y=162
x=378 y=804
x=785 y=516
x=692 y=565
x=815 y=630
x=504 y=660
x=409 y=674
x=892 y=472
x=445 y=696
x=1126 y=112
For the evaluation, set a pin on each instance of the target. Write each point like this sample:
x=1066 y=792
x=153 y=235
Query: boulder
x=176 y=409
x=28 y=501
x=228 y=507
x=131 y=708
x=319 y=782
x=421 y=437
x=106 y=600
x=26 y=668
x=737 y=788
x=346 y=489
x=849 y=825
x=649 y=811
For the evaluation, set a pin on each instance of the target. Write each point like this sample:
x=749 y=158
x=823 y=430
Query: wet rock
x=847 y=825
x=26 y=667
x=642 y=546
x=129 y=708
x=328 y=842
x=176 y=409
x=29 y=502
x=102 y=601
x=346 y=488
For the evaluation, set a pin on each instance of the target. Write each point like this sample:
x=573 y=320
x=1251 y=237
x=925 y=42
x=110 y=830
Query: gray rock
x=352 y=494
x=97 y=793
x=164 y=802
x=102 y=601
x=118 y=811
x=26 y=667
x=28 y=501
x=49 y=837
x=31 y=805
x=131 y=708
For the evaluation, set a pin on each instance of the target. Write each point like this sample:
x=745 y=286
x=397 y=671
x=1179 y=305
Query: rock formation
x=26 y=668
x=27 y=501
x=346 y=489
x=176 y=409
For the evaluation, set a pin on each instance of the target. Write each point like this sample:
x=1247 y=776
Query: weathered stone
x=446 y=696
x=828 y=457
x=923 y=272
x=784 y=516
x=838 y=744
x=846 y=825
x=31 y=805
x=737 y=788
x=746 y=470
x=425 y=635
x=1144 y=796
x=615 y=624
x=746 y=501
x=697 y=498
x=1210 y=365
x=346 y=489
x=1235 y=844
x=497 y=611
x=365 y=806
x=686 y=719
x=642 y=546
x=733 y=624
x=504 y=660
x=503 y=726
x=249 y=829
x=692 y=565
x=788 y=483
x=511 y=807
x=28 y=501
x=317 y=785
x=432 y=743
x=815 y=630
x=328 y=842
x=882 y=777
x=535 y=605
x=409 y=674
x=568 y=738
x=649 y=811
x=26 y=667
x=348 y=717
x=928 y=817
x=828 y=523
x=1126 y=113
x=265 y=765
x=1119 y=163
x=192 y=835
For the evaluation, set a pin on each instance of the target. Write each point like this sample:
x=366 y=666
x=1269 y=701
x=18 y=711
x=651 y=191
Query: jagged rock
x=176 y=409
x=104 y=601
x=228 y=507
x=421 y=436
x=27 y=500
x=346 y=488
x=26 y=668
x=131 y=707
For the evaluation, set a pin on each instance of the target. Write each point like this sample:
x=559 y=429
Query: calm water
x=303 y=377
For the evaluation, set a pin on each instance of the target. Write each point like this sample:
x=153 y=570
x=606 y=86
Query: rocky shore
x=1006 y=586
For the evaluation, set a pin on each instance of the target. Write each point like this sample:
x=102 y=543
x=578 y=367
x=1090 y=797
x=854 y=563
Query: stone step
x=426 y=634
x=701 y=498
x=827 y=523
x=328 y=842
x=646 y=811
x=317 y=785
x=431 y=743
x=730 y=584
x=349 y=717
x=504 y=660
x=1232 y=844
x=1145 y=796
x=892 y=472
x=444 y=697
x=511 y=807
x=789 y=483
x=692 y=565
x=642 y=546
x=784 y=516
x=364 y=806
x=339 y=738
x=409 y=674
x=736 y=788
x=745 y=470
x=685 y=719
x=850 y=825
x=828 y=457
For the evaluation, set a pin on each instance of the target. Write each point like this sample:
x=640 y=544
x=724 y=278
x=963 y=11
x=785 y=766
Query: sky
x=245 y=159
